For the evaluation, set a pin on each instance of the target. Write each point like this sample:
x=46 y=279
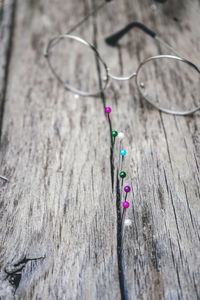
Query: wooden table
x=59 y=225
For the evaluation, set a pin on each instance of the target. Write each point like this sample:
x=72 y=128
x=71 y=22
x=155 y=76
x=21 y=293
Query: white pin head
x=120 y=135
x=127 y=222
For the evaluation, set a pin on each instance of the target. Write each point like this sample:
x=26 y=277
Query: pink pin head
x=126 y=204
x=127 y=189
x=108 y=110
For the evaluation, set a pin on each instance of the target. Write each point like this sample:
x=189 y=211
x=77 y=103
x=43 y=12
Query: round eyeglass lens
x=170 y=83
x=77 y=65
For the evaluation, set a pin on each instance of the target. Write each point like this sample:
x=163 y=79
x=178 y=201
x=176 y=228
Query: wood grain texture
x=7 y=9
x=59 y=229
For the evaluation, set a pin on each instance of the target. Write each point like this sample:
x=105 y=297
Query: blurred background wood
x=58 y=225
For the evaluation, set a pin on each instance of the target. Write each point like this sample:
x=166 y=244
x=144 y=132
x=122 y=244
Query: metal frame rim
x=165 y=110
x=69 y=87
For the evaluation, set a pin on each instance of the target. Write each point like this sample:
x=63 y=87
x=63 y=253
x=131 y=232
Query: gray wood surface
x=59 y=219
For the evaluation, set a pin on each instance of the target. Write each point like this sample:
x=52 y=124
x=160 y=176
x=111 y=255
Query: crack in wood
x=14 y=272
x=120 y=252
x=120 y=258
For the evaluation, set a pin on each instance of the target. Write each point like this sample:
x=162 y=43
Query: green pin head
x=114 y=133
x=122 y=174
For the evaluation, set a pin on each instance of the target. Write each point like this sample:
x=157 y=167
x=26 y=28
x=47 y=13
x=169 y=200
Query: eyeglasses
x=171 y=83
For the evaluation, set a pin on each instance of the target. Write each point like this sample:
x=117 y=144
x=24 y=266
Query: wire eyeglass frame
x=112 y=41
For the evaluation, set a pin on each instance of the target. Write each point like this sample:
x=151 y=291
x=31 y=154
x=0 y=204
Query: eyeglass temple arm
x=114 y=38
x=54 y=42
x=88 y=16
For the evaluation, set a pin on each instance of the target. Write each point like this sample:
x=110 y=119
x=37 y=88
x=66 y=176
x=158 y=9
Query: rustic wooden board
x=59 y=233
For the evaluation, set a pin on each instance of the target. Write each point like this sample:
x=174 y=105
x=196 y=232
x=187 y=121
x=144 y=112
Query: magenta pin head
x=108 y=110
x=127 y=189
x=126 y=204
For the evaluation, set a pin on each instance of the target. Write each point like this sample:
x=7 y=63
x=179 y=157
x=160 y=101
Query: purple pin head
x=126 y=204
x=127 y=189
x=108 y=110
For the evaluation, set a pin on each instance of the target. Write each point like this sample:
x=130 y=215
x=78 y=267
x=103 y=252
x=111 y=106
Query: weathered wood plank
x=64 y=215
x=6 y=28
x=59 y=232
x=162 y=242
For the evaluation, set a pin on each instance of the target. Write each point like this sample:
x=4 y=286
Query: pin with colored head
x=120 y=136
x=123 y=153
x=127 y=222
x=114 y=134
x=122 y=176
x=126 y=205
x=108 y=111
x=3 y=178
x=127 y=189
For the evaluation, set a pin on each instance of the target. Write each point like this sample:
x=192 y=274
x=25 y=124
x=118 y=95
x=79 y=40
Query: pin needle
x=108 y=111
x=122 y=175
x=127 y=189
x=4 y=178
x=123 y=153
x=125 y=206
x=114 y=134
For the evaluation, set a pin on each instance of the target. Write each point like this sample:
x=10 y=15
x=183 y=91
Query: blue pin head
x=123 y=152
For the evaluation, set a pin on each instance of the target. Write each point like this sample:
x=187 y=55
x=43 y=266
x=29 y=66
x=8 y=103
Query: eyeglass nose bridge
x=122 y=78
